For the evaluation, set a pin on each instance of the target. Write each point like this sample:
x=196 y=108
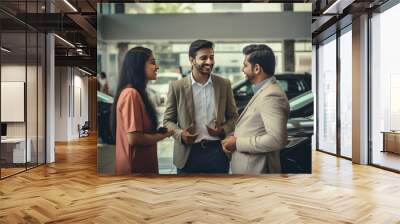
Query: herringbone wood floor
x=70 y=191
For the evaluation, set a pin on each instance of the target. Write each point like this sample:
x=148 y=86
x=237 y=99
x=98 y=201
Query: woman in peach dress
x=134 y=116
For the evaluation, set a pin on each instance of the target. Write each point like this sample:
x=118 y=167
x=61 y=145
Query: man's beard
x=203 y=70
x=250 y=77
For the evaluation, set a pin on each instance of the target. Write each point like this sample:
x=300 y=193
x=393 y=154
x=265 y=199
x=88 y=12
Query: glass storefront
x=326 y=105
x=346 y=93
x=385 y=88
x=302 y=54
x=334 y=106
x=22 y=100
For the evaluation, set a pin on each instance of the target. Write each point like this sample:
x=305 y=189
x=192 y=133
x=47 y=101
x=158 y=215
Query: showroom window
x=346 y=92
x=334 y=98
x=326 y=106
x=385 y=89
x=302 y=56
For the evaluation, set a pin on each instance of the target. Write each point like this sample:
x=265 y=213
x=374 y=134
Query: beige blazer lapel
x=189 y=99
x=273 y=80
x=217 y=94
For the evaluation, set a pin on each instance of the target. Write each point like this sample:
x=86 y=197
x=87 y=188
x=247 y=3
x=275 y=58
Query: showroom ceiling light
x=5 y=49
x=70 y=5
x=84 y=71
x=337 y=7
x=65 y=41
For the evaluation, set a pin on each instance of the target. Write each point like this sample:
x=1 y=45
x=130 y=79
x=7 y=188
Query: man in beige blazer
x=201 y=109
x=261 y=130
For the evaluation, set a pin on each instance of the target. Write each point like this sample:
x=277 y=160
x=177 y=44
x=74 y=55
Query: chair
x=84 y=130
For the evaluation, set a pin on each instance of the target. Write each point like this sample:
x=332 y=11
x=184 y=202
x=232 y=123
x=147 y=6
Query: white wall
x=82 y=83
x=13 y=72
x=33 y=126
x=61 y=103
x=71 y=94
x=16 y=73
x=80 y=96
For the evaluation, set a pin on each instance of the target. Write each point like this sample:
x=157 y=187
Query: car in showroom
x=302 y=105
x=104 y=108
x=301 y=126
x=293 y=84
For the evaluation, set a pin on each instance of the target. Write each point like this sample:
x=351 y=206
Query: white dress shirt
x=204 y=108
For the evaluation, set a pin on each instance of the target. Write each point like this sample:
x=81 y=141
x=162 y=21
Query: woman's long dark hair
x=133 y=75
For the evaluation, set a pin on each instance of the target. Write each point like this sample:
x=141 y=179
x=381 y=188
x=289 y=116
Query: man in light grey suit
x=201 y=109
x=261 y=130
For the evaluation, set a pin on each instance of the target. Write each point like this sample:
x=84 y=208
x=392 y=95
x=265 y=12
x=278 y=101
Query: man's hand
x=229 y=144
x=217 y=132
x=188 y=138
x=168 y=133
